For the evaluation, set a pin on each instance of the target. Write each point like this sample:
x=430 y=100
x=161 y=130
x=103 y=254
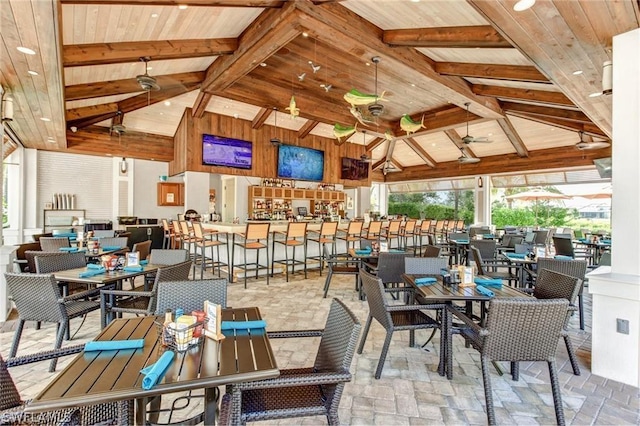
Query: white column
x=196 y=187
x=482 y=196
x=616 y=295
x=7 y=254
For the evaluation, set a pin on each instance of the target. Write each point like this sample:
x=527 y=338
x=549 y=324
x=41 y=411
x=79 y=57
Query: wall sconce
x=7 y=109
x=607 y=77
x=124 y=166
x=480 y=182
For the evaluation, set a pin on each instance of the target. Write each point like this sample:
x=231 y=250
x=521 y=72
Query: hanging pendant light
x=124 y=166
x=376 y=109
x=274 y=140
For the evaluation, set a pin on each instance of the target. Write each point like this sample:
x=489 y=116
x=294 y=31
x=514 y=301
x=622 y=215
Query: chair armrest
x=324 y=378
x=43 y=356
x=125 y=293
x=284 y=334
x=80 y=295
x=400 y=290
x=466 y=320
x=416 y=307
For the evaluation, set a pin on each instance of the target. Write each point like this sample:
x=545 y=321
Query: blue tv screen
x=226 y=152
x=296 y=162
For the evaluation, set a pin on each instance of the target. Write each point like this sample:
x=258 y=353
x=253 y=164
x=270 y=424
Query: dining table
x=437 y=292
x=102 y=376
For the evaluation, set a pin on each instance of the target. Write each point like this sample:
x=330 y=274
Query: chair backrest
x=364 y=244
x=563 y=246
x=541 y=237
x=458 y=236
x=375 y=226
x=431 y=251
x=605 y=259
x=176 y=228
x=529 y=238
x=165 y=225
x=144 y=247
x=190 y=295
x=184 y=228
x=374 y=290
x=487 y=248
x=524 y=329
x=9 y=395
x=459 y=225
x=46 y=306
x=336 y=349
x=506 y=239
x=113 y=241
x=177 y=272
x=522 y=248
x=477 y=257
x=409 y=226
x=20 y=254
x=296 y=230
x=571 y=267
x=36 y=237
x=198 y=232
x=562 y=235
x=425 y=265
x=394 y=226
x=515 y=239
x=257 y=231
x=53 y=243
x=355 y=227
x=168 y=256
x=328 y=229
x=59 y=262
x=104 y=233
x=391 y=267
x=556 y=285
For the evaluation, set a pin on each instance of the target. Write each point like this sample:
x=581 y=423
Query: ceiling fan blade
x=482 y=139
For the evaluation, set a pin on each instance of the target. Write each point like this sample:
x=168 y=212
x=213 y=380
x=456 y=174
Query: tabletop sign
x=133 y=258
x=213 y=313
x=466 y=276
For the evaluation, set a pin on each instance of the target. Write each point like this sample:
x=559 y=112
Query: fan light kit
x=467 y=139
x=146 y=82
x=464 y=159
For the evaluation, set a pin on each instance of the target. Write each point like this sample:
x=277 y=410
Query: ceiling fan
x=376 y=109
x=587 y=145
x=465 y=159
x=364 y=157
x=117 y=126
x=146 y=82
x=275 y=141
x=467 y=139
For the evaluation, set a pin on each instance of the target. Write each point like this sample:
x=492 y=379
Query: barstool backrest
x=184 y=227
x=355 y=227
x=257 y=231
x=296 y=230
x=410 y=226
x=394 y=226
x=328 y=229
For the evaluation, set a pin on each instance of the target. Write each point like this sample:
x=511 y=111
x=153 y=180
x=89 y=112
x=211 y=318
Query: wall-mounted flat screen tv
x=296 y=162
x=354 y=169
x=226 y=152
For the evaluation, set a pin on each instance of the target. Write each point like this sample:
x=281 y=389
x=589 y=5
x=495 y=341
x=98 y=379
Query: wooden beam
x=494 y=71
x=586 y=128
x=272 y=30
x=541 y=96
x=200 y=104
x=554 y=158
x=261 y=117
x=415 y=146
x=208 y=3
x=465 y=37
x=378 y=163
x=91 y=111
x=307 y=128
x=513 y=136
x=457 y=140
x=441 y=119
x=546 y=112
x=130 y=85
x=78 y=55
x=374 y=144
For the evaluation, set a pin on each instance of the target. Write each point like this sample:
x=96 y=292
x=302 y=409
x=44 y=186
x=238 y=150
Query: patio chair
x=391 y=232
x=164 y=257
x=339 y=264
x=431 y=251
x=21 y=259
x=144 y=247
x=53 y=243
x=12 y=406
x=518 y=330
x=104 y=233
x=487 y=248
x=391 y=317
x=117 y=302
x=209 y=239
x=49 y=306
x=295 y=236
x=114 y=242
x=301 y=392
x=490 y=268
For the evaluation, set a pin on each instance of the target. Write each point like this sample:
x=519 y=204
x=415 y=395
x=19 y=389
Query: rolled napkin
x=425 y=281
x=562 y=257
x=110 y=248
x=516 y=255
x=91 y=273
x=69 y=249
x=113 y=345
x=396 y=251
x=488 y=236
x=95 y=266
x=606 y=241
x=242 y=325
x=488 y=282
x=133 y=268
x=144 y=262
x=484 y=291
x=358 y=251
x=153 y=373
x=583 y=240
x=462 y=241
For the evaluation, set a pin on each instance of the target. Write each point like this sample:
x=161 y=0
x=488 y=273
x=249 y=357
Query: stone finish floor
x=410 y=391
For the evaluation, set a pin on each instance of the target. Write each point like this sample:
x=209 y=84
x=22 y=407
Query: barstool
x=392 y=232
x=177 y=234
x=409 y=231
x=186 y=237
x=252 y=239
x=205 y=240
x=351 y=235
x=296 y=236
x=374 y=231
x=168 y=236
x=326 y=235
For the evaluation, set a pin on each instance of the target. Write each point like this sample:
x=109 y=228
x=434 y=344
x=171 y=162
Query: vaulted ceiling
x=528 y=78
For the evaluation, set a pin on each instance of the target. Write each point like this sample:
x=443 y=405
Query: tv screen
x=296 y=162
x=226 y=152
x=354 y=169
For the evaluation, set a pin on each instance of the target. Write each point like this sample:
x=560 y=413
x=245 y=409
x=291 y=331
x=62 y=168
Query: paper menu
x=213 y=314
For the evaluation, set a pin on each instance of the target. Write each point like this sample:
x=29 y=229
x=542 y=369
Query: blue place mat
x=363 y=252
x=70 y=249
x=144 y=262
x=92 y=272
x=133 y=268
x=562 y=257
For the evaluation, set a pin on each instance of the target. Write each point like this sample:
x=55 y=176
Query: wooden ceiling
x=527 y=76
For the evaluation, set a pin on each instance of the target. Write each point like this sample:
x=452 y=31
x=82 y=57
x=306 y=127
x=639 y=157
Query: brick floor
x=410 y=391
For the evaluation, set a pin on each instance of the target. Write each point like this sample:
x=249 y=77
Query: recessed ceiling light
x=415 y=1
x=489 y=134
x=263 y=64
x=523 y=5
x=577 y=72
x=32 y=72
x=367 y=64
x=182 y=6
x=45 y=119
x=236 y=115
x=167 y=103
x=433 y=144
x=413 y=85
x=149 y=68
x=26 y=50
x=109 y=155
x=51 y=140
x=305 y=34
x=154 y=15
x=595 y=94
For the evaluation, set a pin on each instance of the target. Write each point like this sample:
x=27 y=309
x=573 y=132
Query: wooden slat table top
x=439 y=292
x=105 y=376
x=73 y=275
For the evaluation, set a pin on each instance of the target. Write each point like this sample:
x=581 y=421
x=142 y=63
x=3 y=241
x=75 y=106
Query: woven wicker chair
x=54 y=243
x=49 y=306
x=518 y=330
x=489 y=268
x=431 y=251
x=164 y=257
x=21 y=258
x=338 y=265
x=391 y=317
x=487 y=248
x=301 y=392
x=142 y=302
x=114 y=242
x=144 y=247
x=48 y=262
x=12 y=407
x=389 y=268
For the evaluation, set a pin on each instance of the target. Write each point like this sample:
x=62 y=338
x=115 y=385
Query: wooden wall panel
x=188 y=147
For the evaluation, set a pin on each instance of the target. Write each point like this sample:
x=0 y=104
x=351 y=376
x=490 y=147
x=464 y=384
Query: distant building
x=600 y=211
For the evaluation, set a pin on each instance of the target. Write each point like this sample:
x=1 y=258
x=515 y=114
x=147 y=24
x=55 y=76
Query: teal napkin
x=242 y=325
x=133 y=268
x=583 y=240
x=365 y=252
x=606 y=241
x=95 y=266
x=92 y=272
x=425 y=281
x=516 y=255
x=462 y=241
x=113 y=345
x=396 y=251
x=70 y=249
x=144 y=262
x=110 y=248
x=488 y=236
x=154 y=372
x=562 y=257
x=484 y=291
x=488 y=282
